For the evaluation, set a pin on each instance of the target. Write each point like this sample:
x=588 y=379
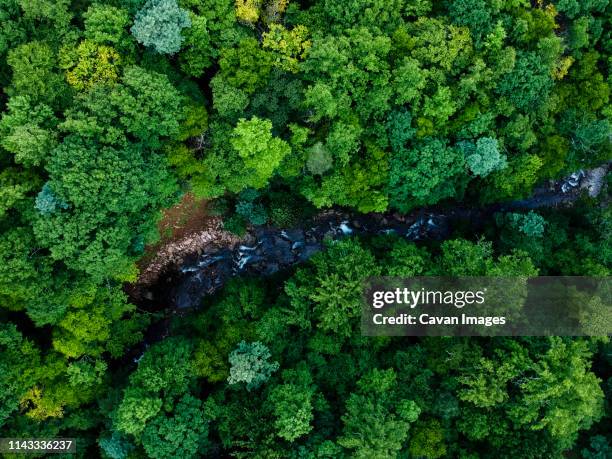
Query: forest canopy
x=273 y=111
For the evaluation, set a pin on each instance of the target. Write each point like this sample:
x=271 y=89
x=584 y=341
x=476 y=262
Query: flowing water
x=266 y=250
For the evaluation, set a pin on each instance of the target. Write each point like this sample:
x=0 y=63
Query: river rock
x=265 y=251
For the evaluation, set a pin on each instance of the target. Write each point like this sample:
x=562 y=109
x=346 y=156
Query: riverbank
x=188 y=268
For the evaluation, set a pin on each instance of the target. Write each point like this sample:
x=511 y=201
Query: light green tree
x=249 y=364
x=158 y=25
x=259 y=153
x=293 y=410
x=483 y=157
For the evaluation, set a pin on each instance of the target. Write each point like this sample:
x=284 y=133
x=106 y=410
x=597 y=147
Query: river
x=266 y=250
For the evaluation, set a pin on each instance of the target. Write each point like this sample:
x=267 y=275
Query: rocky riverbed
x=265 y=250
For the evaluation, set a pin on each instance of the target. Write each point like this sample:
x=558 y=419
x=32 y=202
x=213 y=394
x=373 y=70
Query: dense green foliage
x=158 y=25
x=111 y=110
